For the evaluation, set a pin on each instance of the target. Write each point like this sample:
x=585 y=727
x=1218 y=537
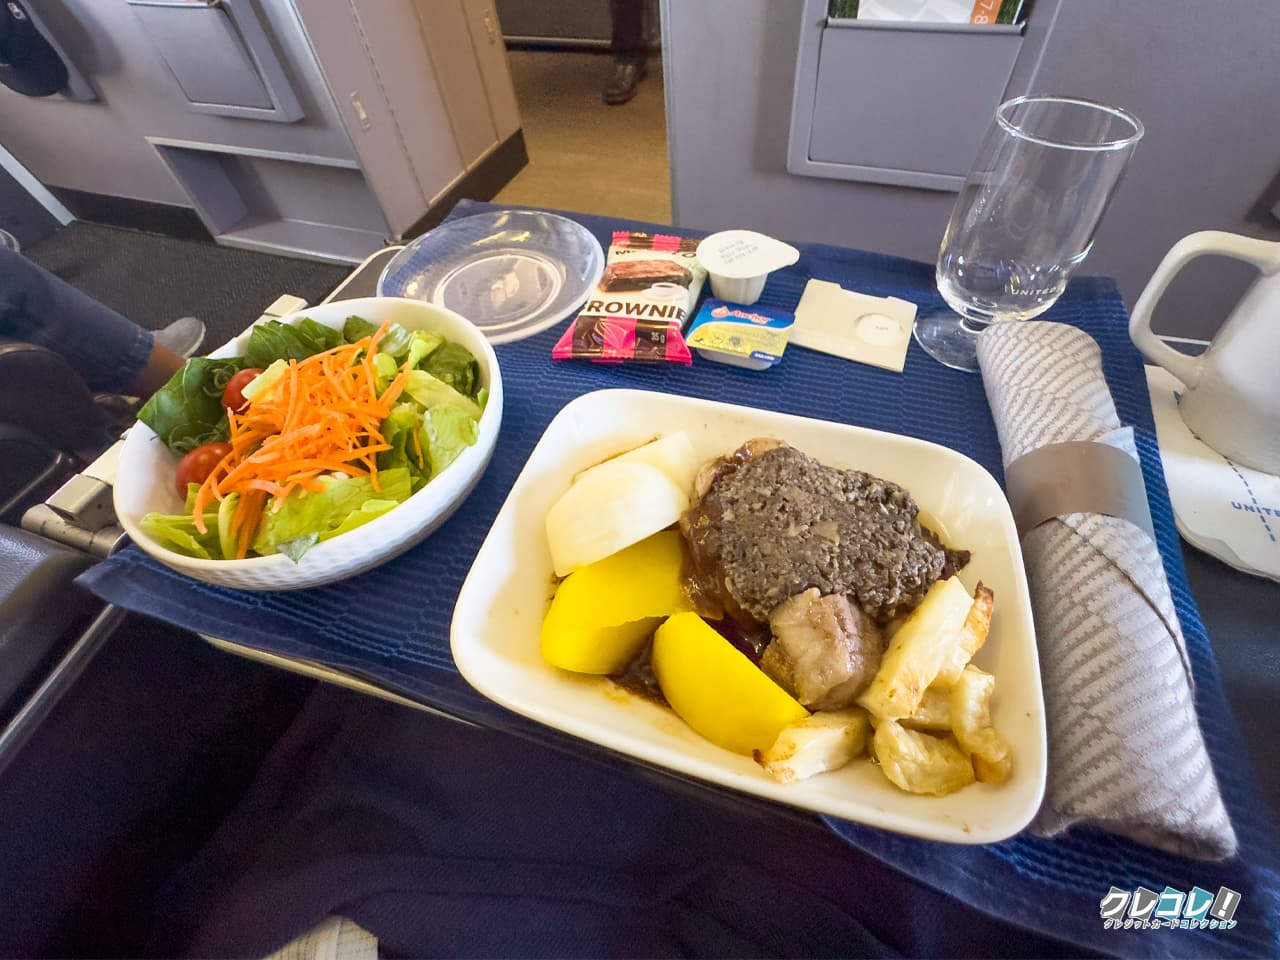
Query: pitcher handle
x=1261 y=253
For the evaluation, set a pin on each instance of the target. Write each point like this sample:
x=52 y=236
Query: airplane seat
x=51 y=427
x=41 y=611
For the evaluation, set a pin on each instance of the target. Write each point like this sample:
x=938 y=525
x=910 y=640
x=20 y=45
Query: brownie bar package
x=650 y=286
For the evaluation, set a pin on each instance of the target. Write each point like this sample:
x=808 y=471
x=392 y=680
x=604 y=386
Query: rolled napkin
x=1125 y=748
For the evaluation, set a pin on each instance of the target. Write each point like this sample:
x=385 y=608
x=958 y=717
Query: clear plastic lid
x=512 y=273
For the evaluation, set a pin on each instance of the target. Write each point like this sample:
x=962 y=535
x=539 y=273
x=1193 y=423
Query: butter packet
x=751 y=337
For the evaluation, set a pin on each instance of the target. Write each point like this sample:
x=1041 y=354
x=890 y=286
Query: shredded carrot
x=417 y=450
x=324 y=415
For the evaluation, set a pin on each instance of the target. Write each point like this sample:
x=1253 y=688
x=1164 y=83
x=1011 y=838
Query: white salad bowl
x=147 y=471
x=496 y=622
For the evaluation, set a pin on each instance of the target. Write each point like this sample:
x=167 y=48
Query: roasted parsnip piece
x=917 y=651
x=934 y=712
x=972 y=636
x=920 y=762
x=971 y=723
x=825 y=741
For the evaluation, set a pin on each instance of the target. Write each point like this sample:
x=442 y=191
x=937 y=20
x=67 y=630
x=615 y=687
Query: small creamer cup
x=743 y=290
x=739 y=262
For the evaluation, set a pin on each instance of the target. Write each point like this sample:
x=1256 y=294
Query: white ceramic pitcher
x=1232 y=400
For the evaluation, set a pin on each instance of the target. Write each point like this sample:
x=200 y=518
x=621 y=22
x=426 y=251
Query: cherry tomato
x=232 y=397
x=196 y=466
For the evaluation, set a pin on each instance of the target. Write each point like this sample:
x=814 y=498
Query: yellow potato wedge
x=917 y=651
x=602 y=613
x=825 y=741
x=971 y=723
x=972 y=636
x=920 y=762
x=716 y=690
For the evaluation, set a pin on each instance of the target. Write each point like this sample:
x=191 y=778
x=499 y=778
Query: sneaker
x=622 y=82
x=183 y=336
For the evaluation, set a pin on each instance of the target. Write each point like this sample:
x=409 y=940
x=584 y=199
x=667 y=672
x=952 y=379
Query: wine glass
x=1025 y=217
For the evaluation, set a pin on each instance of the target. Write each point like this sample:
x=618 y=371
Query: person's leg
x=111 y=353
x=629 y=50
x=628 y=30
x=162 y=363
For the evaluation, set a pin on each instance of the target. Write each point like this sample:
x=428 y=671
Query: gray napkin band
x=1076 y=476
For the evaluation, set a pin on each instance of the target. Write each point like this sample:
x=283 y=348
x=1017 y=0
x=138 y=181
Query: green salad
x=309 y=434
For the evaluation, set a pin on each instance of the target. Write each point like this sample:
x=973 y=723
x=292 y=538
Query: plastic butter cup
x=739 y=262
x=750 y=337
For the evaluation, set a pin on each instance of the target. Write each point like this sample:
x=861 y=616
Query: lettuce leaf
x=295 y=548
x=369 y=510
x=397 y=343
x=178 y=531
x=226 y=511
x=399 y=430
x=394 y=343
x=428 y=391
x=179 y=534
x=385 y=367
x=448 y=429
x=453 y=364
x=345 y=503
x=421 y=346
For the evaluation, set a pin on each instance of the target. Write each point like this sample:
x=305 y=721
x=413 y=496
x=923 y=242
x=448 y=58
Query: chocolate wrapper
x=637 y=311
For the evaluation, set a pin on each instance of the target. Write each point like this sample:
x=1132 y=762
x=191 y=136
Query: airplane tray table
x=396 y=634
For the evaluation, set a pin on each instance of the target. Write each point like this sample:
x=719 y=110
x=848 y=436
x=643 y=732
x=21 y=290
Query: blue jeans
x=107 y=350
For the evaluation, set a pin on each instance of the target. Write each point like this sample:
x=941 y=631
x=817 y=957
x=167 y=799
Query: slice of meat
x=824 y=650
x=703 y=575
x=713 y=470
x=771 y=522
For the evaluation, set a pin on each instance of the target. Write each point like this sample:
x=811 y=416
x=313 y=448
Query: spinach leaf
x=357 y=328
x=187 y=411
x=274 y=340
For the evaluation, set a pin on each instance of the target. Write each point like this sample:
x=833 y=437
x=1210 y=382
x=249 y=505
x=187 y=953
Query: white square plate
x=501 y=606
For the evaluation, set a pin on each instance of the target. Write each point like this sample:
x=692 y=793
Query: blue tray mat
x=398 y=635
